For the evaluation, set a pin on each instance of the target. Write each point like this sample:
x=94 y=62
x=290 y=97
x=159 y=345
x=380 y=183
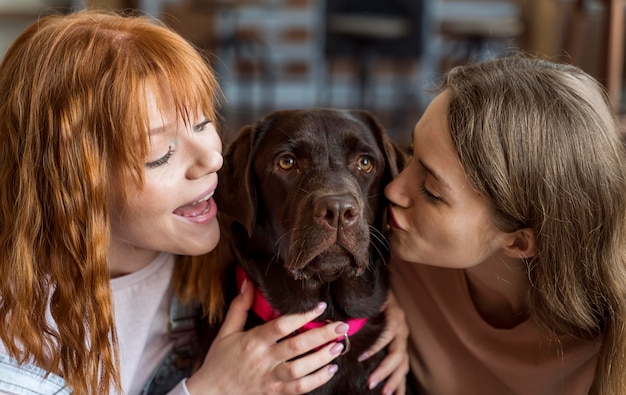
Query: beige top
x=454 y=351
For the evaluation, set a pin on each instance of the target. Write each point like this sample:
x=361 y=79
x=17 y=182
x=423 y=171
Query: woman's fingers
x=310 y=382
x=313 y=381
x=385 y=338
x=396 y=383
x=395 y=327
x=295 y=345
x=288 y=324
x=395 y=366
x=238 y=311
x=304 y=366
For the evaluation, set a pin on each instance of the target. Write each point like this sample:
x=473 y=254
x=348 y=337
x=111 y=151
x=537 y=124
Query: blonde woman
x=508 y=231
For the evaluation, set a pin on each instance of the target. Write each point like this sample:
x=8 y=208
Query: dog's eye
x=286 y=162
x=365 y=164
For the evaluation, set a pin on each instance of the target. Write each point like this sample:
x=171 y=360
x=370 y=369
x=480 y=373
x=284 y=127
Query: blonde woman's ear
x=521 y=244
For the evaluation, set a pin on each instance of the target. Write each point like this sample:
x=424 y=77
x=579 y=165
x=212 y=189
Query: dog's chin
x=328 y=267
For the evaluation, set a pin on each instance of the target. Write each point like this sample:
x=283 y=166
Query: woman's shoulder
x=27 y=379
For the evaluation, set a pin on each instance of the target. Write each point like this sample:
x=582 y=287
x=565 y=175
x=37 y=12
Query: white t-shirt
x=141 y=304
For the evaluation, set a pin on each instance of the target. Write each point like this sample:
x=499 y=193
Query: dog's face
x=309 y=185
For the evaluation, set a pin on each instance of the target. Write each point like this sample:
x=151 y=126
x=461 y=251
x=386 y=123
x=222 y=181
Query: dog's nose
x=337 y=211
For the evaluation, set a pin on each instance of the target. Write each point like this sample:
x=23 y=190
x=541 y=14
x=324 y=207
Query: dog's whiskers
x=380 y=243
x=377 y=241
x=276 y=258
x=370 y=267
x=296 y=261
x=375 y=195
x=373 y=258
x=377 y=235
x=282 y=237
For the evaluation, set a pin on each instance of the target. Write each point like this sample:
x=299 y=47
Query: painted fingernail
x=373 y=384
x=336 y=349
x=321 y=306
x=363 y=357
x=332 y=369
x=244 y=286
x=342 y=329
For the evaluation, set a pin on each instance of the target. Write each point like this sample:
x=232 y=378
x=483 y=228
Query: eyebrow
x=202 y=123
x=160 y=129
x=434 y=174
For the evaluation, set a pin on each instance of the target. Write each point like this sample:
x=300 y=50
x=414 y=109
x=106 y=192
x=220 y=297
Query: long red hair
x=73 y=117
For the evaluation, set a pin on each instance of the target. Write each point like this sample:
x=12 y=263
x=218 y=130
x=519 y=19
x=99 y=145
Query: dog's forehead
x=330 y=129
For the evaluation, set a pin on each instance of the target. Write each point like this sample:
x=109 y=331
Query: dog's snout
x=337 y=211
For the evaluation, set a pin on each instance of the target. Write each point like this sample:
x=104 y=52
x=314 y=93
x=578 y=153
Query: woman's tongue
x=194 y=209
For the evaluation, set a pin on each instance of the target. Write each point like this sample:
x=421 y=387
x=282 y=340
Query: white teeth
x=204 y=199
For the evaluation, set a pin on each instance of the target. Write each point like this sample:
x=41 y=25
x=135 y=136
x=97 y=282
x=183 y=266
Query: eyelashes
x=429 y=196
x=162 y=160
x=201 y=126
x=170 y=151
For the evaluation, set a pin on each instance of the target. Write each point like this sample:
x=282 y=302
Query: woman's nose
x=205 y=157
x=396 y=192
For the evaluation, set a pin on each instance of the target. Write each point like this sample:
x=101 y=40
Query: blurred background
x=380 y=55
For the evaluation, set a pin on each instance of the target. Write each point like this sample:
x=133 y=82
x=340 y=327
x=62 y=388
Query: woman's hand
x=254 y=361
x=395 y=366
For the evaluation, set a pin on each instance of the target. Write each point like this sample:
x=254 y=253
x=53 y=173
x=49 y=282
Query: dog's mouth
x=329 y=237
x=329 y=265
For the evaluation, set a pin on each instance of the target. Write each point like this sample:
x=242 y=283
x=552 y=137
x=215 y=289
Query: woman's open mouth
x=197 y=208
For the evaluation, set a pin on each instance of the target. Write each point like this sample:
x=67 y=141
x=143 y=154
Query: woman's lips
x=195 y=209
x=200 y=206
x=393 y=224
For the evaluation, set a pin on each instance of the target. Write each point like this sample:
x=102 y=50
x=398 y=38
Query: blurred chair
x=472 y=30
x=362 y=32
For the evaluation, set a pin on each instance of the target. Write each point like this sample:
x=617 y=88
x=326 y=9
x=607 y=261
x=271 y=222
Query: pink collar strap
x=266 y=312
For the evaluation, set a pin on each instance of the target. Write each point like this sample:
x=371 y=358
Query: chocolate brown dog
x=301 y=194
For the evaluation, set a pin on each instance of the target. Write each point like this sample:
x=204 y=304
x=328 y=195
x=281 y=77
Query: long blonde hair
x=539 y=140
x=73 y=117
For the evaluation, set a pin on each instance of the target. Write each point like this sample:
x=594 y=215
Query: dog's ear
x=236 y=193
x=396 y=157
